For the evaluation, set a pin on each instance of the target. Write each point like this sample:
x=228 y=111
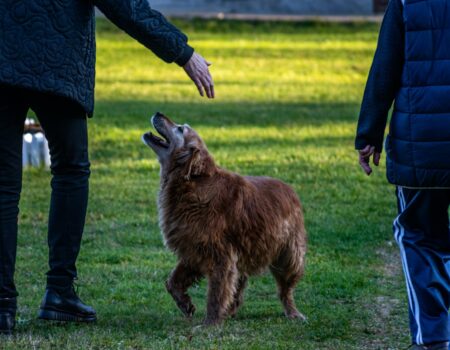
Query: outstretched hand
x=197 y=70
x=364 y=158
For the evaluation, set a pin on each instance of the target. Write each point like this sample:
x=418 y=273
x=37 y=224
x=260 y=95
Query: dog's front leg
x=221 y=290
x=181 y=278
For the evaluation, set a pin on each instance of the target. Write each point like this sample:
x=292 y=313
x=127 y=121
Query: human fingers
x=364 y=163
x=211 y=84
x=376 y=158
x=367 y=151
x=199 y=86
x=208 y=85
x=213 y=92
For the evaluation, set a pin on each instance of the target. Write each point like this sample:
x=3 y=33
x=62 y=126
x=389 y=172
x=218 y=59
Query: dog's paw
x=188 y=309
x=211 y=322
x=183 y=301
x=232 y=312
x=296 y=315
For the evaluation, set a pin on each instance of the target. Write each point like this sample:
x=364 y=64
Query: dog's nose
x=156 y=118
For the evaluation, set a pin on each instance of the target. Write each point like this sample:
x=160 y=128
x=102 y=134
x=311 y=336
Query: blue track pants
x=423 y=235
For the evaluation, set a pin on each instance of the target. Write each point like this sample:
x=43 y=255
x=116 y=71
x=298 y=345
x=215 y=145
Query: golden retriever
x=223 y=226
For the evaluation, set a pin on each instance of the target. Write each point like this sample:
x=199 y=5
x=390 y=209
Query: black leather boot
x=65 y=306
x=8 y=307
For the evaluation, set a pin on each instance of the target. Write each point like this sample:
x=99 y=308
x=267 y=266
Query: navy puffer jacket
x=49 y=45
x=418 y=145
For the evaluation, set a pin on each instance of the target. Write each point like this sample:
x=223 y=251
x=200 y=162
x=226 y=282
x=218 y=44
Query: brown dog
x=223 y=226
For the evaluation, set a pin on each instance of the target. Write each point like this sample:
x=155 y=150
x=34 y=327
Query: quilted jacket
x=49 y=45
x=418 y=145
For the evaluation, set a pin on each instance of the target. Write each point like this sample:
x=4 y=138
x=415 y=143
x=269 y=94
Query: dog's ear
x=200 y=163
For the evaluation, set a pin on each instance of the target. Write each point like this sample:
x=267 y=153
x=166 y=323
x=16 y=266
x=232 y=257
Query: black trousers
x=65 y=126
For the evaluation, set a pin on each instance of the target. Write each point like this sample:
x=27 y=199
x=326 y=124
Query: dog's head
x=179 y=148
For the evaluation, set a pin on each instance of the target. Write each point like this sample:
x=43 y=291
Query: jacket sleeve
x=149 y=27
x=384 y=79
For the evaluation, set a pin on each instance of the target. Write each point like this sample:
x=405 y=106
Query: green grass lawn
x=287 y=104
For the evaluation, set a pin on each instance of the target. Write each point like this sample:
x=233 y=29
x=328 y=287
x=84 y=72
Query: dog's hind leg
x=238 y=295
x=181 y=278
x=221 y=290
x=288 y=270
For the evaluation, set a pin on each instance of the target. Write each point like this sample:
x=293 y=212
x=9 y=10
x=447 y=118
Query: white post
x=27 y=140
x=35 y=151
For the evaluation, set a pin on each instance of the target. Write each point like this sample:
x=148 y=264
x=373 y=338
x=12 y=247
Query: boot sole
x=52 y=315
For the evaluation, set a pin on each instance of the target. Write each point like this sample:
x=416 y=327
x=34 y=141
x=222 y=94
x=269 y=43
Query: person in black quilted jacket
x=47 y=64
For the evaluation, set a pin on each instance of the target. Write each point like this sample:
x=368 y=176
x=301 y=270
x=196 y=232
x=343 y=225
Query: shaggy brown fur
x=224 y=226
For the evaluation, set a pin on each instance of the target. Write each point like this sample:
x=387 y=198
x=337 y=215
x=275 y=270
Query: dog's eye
x=180 y=129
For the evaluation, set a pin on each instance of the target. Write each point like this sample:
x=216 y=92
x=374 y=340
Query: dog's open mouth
x=156 y=140
x=162 y=140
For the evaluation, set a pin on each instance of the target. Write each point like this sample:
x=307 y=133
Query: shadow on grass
x=218 y=114
x=185 y=82
x=134 y=116
x=319 y=53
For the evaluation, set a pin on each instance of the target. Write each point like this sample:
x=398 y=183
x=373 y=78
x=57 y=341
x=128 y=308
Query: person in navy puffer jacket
x=47 y=64
x=412 y=68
